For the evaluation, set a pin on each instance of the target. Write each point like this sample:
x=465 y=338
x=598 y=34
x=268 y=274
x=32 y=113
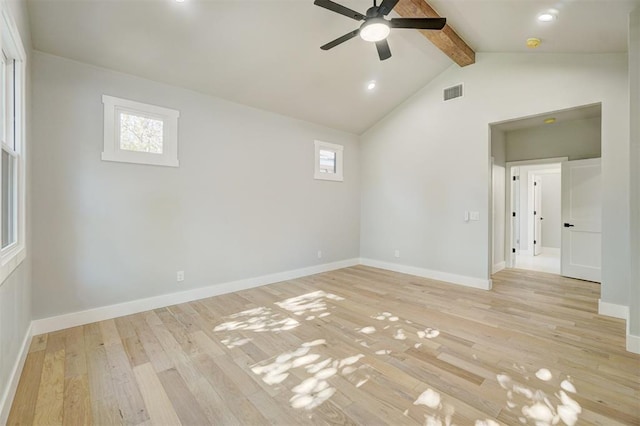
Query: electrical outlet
x=180 y=276
x=396 y=253
x=319 y=254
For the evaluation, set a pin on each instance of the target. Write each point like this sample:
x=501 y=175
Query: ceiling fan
x=375 y=27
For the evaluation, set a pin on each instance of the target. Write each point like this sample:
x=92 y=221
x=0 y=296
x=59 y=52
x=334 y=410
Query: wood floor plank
x=358 y=345
x=24 y=403
x=159 y=407
x=181 y=398
x=104 y=405
x=126 y=390
x=77 y=401
x=50 y=401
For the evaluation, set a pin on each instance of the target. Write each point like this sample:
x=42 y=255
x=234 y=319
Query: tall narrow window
x=12 y=170
x=8 y=181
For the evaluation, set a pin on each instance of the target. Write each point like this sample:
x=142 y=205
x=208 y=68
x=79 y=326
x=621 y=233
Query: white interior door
x=581 y=218
x=537 y=215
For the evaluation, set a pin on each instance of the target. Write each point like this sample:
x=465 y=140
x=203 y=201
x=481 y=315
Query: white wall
x=634 y=90
x=576 y=139
x=427 y=161
x=498 y=198
x=15 y=291
x=242 y=204
x=551 y=209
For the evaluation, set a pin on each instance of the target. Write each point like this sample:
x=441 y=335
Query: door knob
x=568 y=225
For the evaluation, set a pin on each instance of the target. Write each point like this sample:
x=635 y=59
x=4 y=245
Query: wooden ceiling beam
x=446 y=39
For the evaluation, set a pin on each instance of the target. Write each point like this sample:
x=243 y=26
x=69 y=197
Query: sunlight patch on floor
x=312 y=304
x=314 y=388
x=532 y=404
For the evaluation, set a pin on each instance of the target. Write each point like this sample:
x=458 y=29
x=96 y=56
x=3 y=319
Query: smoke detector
x=533 y=43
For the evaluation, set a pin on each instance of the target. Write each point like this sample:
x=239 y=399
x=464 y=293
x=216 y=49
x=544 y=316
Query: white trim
x=633 y=343
x=464 y=280
x=14 y=255
x=339 y=150
x=613 y=310
x=14 y=378
x=111 y=149
x=60 y=322
x=498 y=267
x=622 y=312
x=11 y=263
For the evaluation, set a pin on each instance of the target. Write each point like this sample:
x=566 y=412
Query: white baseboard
x=621 y=312
x=10 y=391
x=60 y=322
x=498 y=267
x=633 y=343
x=427 y=273
x=613 y=310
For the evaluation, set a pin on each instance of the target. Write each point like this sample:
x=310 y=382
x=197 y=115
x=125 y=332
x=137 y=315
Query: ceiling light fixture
x=371 y=85
x=546 y=17
x=375 y=29
x=180 y=1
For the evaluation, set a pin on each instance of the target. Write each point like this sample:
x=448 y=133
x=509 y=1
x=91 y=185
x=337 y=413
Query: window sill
x=149 y=159
x=10 y=262
x=328 y=176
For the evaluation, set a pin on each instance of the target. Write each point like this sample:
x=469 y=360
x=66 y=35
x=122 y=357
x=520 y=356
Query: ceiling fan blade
x=338 y=8
x=383 y=49
x=340 y=40
x=418 y=23
x=387 y=6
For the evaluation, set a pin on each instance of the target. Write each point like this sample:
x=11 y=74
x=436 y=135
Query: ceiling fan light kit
x=376 y=27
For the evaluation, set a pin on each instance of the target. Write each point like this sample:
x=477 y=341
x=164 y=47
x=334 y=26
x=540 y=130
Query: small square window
x=139 y=133
x=328 y=161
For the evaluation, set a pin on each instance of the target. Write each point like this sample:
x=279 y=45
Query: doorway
x=545 y=193
x=535 y=219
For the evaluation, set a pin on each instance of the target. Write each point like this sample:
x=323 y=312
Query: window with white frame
x=328 y=161
x=135 y=132
x=12 y=163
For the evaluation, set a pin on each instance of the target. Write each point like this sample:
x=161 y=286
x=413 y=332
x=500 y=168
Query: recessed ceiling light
x=180 y=1
x=371 y=85
x=548 y=16
x=549 y=120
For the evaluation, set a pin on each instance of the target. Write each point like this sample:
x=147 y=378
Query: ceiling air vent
x=453 y=92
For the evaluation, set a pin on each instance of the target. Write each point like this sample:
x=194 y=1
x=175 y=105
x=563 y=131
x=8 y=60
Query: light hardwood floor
x=354 y=346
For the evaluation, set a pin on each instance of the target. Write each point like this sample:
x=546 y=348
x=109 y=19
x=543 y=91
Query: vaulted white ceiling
x=265 y=53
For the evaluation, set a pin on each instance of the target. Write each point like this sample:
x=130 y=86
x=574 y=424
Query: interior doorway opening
x=535 y=221
x=546 y=193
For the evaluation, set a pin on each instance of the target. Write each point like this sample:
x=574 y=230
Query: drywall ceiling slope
x=582 y=26
x=264 y=54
